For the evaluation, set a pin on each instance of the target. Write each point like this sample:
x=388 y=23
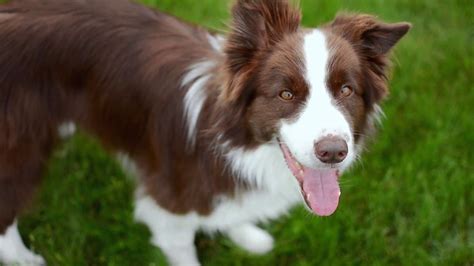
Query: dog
x=221 y=131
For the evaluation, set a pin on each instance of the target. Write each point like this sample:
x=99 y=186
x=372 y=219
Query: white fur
x=14 y=252
x=216 y=41
x=127 y=164
x=195 y=97
x=264 y=166
x=251 y=238
x=250 y=207
x=67 y=129
x=377 y=115
x=320 y=116
x=174 y=234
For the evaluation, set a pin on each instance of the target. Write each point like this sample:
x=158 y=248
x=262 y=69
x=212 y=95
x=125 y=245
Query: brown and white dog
x=222 y=132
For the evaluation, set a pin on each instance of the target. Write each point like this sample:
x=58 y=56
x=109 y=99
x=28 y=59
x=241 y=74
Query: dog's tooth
x=301 y=172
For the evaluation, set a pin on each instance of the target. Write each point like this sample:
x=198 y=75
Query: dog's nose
x=331 y=149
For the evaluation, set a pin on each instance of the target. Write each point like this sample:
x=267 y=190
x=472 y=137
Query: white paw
x=177 y=255
x=14 y=252
x=24 y=258
x=251 y=238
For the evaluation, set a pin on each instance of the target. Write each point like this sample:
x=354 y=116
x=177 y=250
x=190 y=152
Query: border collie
x=222 y=132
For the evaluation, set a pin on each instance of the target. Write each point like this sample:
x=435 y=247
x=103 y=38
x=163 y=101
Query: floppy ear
x=257 y=25
x=373 y=40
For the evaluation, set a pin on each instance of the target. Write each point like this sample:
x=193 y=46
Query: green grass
x=409 y=202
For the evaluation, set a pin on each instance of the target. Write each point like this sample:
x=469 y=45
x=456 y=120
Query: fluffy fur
x=221 y=132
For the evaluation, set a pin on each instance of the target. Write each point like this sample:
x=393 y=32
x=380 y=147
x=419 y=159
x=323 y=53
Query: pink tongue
x=320 y=185
x=322 y=190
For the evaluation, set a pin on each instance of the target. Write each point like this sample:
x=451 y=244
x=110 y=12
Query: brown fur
x=372 y=40
x=261 y=30
x=360 y=47
x=102 y=66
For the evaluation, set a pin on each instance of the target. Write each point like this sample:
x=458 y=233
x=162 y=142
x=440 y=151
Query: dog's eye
x=287 y=95
x=346 y=91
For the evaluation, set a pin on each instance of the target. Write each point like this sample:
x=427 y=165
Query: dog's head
x=313 y=90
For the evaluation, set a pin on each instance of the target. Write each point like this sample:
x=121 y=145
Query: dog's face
x=313 y=90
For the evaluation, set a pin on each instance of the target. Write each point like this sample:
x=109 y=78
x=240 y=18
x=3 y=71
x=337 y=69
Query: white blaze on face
x=320 y=117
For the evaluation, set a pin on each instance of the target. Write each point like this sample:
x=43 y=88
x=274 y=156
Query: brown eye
x=346 y=91
x=287 y=95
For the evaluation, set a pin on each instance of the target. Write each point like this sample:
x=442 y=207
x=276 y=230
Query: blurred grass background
x=409 y=202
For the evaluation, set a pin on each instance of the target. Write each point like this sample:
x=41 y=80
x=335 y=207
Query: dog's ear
x=257 y=25
x=383 y=37
x=374 y=37
x=373 y=40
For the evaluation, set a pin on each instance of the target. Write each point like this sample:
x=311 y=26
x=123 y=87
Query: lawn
x=410 y=201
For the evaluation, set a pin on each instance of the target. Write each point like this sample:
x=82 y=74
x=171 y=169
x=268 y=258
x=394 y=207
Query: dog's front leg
x=173 y=234
x=251 y=238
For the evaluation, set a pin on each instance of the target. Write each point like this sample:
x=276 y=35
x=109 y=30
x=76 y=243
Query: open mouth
x=319 y=187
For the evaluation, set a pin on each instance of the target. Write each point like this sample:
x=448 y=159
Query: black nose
x=331 y=149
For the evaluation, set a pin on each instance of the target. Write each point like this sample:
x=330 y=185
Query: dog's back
x=90 y=62
x=65 y=60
